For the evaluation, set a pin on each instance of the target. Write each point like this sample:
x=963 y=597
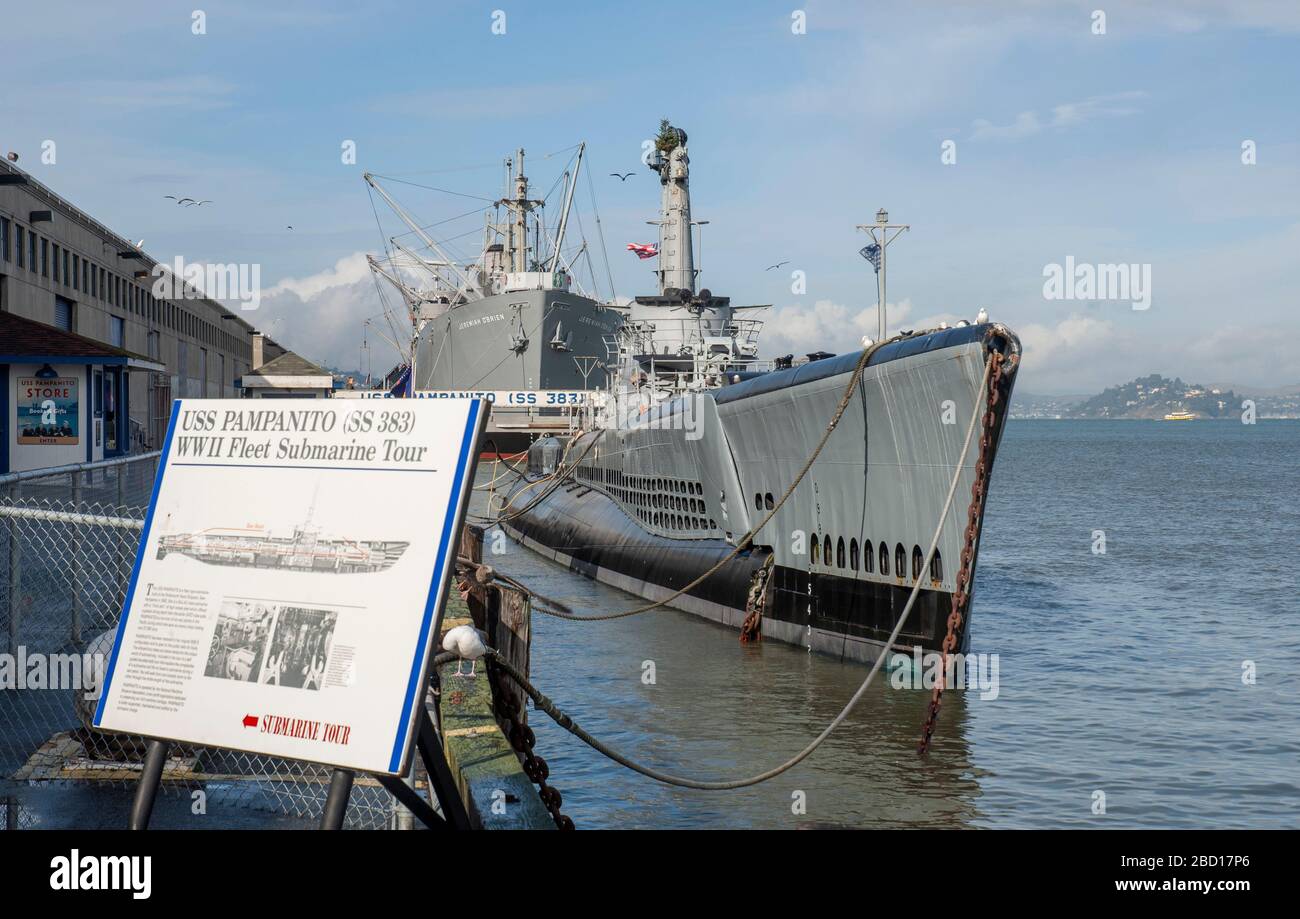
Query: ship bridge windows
x=917 y=560
x=826 y=549
x=839 y=553
x=936 y=567
x=884 y=559
x=853 y=554
x=768 y=503
x=758 y=501
x=900 y=561
x=816 y=550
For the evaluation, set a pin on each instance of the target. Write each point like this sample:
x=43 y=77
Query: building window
x=76 y=272
x=4 y=238
x=63 y=314
x=55 y=263
x=103 y=283
x=18 y=238
x=116 y=331
x=31 y=250
x=154 y=345
x=45 y=257
x=67 y=277
x=94 y=282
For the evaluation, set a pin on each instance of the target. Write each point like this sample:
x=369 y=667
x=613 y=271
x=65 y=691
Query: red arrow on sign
x=250 y=721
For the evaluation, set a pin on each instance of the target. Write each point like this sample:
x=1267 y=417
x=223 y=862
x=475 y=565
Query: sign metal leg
x=155 y=757
x=336 y=802
x=440 y=778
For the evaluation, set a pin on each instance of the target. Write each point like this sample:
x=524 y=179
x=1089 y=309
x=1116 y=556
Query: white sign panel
x=291 y=577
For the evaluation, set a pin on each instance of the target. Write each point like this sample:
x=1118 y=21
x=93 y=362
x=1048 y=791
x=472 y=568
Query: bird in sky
x=622 y=176
x=777 y=265
x=203 y=202
x=183 y=202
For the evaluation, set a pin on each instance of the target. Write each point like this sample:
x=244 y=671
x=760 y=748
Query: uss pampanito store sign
x=291 y=577
x=66 y=397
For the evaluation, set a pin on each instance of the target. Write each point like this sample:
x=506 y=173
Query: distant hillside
x=1029 y=405
x=1156 y=396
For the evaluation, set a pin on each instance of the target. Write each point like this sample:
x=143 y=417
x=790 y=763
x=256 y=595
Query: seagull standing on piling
x=467 y=643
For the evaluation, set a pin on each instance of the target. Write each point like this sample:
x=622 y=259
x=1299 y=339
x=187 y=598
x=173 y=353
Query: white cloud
x=347 y=270
x=323 y=316
x=1026 y=123
x=1065 y=115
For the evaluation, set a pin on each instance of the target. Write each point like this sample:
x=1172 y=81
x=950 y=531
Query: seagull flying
x=777 y=265
x=467 y=643
x=622 y=176
x=183 y=202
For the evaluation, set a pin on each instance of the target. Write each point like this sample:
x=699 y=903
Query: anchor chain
x=974 y=514
x=522 y=739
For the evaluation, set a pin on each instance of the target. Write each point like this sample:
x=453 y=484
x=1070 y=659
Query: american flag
x=871 y=253
x=644 y=250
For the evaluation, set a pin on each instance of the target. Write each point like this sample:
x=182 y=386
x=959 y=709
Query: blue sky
x=1119 y=147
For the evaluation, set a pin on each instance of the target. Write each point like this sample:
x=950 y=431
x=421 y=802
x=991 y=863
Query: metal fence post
x=75 y=542
x=15 y=571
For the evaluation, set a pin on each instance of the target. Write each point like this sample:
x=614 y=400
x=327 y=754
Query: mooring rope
x=742 y=544
x=543 y=703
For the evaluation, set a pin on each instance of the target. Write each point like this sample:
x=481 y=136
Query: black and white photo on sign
x=271 y=643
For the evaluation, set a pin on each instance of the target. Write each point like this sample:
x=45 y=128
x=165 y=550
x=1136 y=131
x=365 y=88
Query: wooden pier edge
x=488 y=773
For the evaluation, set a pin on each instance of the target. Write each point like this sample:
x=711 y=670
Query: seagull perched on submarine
x=468 y=644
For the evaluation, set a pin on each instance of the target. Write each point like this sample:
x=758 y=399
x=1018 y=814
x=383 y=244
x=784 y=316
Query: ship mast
x=875 y=254
x=520 y=206
x=676 y=255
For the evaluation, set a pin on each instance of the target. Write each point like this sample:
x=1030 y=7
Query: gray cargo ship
x=696 y=442
x=514 y=319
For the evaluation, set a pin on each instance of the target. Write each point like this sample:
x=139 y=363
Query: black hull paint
x=588 y=527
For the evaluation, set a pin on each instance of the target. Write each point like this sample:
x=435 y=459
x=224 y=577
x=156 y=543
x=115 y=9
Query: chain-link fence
x=68 y=542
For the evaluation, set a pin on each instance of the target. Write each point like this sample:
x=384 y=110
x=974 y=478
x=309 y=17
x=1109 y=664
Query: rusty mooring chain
x=962 y=589
x=522 y=739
